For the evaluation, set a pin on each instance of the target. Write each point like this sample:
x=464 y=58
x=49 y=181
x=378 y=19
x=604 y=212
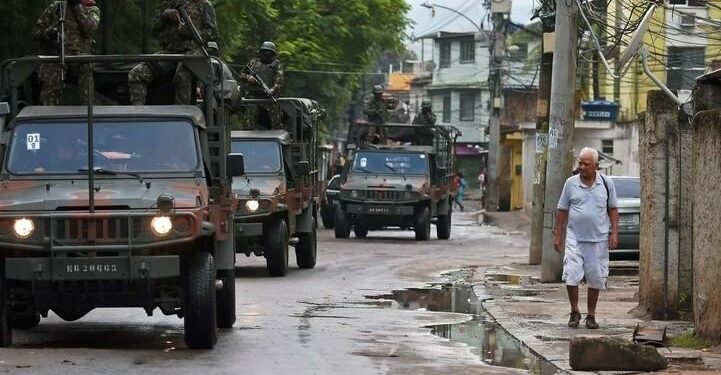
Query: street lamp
x=432 y=6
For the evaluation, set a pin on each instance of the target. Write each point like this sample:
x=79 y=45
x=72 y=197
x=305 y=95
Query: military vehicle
x=279 y=194
x=397 y=184
x=116 y=205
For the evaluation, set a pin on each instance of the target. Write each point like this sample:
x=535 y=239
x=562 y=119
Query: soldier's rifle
x=249 y=71
x=185 y=18
x=61 y=38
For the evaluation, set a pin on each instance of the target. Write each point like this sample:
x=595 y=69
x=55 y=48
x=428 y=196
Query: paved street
x=310 y=322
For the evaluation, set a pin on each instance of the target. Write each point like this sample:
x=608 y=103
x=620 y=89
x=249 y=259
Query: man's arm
x=613 y=238
x=88 y=18
x=559 y=232
x=279 y=80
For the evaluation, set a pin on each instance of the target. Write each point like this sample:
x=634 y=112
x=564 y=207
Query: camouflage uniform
x=80 y=24
x=273 y=76
x=174 y=38
x=424 y=136
x=376 y=112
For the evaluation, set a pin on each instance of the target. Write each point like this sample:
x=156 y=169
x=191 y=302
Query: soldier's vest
x=76 y=42
x=267 y=72
x=173 y=41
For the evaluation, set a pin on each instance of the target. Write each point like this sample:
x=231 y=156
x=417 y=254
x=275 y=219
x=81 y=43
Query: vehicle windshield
x=390 y=163
x=134 y=147
x=627 y=187
x=258 y=156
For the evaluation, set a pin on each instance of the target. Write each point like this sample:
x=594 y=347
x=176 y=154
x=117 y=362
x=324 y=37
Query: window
x=447 y=108
x=684 y=65
x=607 y=146
x=691 y=3
x=445 y=54
x=468 y=51
x=468 y=107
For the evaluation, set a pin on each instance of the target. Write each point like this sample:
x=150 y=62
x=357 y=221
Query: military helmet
x=377 y=89
x=426 y=103
x=269 y=46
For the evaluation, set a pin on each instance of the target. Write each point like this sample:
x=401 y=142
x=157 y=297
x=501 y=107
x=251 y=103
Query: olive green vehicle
x=278 y=196
x=116 y=205
x=408 y=186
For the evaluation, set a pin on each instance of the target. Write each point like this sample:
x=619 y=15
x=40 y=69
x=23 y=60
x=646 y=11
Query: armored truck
x=278 y=197
x=116 y=205
x=392 y=183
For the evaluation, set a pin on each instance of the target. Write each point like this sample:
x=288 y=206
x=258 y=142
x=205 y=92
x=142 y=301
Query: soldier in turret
x=81 y=20
x=269 y=69
x=376 y=112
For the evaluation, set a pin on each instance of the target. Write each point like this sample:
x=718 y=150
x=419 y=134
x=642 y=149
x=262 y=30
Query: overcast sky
x=444 y=20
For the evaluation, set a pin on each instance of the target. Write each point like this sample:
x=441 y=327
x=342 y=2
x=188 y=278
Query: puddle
x=500 y=278
x=486 y=338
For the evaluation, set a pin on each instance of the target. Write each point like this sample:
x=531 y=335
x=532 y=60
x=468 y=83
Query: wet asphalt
x=318 y=321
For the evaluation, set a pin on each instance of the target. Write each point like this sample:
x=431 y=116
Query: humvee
x=279 y=193
x=393 y=184
x=116 y=205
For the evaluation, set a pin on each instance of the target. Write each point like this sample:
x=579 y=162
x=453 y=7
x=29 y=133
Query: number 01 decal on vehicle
x=33 y=141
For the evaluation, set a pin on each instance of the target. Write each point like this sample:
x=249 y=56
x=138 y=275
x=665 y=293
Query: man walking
x=589 y=202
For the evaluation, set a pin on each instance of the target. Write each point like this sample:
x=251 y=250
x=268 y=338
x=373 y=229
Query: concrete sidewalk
x=537 y=314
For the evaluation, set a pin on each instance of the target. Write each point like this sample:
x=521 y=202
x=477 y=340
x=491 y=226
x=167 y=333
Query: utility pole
x=542 y=108
x=500 y=11
x=560 y=134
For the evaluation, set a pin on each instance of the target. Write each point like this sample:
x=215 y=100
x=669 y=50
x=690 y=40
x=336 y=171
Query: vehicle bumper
x=95 y=268
x=245 y=229
x=379 y=210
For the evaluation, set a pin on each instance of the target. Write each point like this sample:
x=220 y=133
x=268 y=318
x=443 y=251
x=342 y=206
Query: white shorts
x=585 y=259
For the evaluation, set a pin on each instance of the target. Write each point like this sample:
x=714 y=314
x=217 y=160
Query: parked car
x=628 y=190
x=329 y=202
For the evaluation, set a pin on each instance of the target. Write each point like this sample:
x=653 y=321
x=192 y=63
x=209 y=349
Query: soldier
x=424 y=135
x=270 y=70
x=376 y=112
x=175 y=37
x=82 y=18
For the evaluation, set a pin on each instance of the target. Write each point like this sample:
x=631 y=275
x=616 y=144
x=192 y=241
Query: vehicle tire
x=360 y=231
x=307 y=248
x=342 y=229
x=327 y=215
x=199 y=303
x=423 y=224
x=276 y=248
x=26 y=321
x=443 y=226
x=225 y=299
x=6 y=332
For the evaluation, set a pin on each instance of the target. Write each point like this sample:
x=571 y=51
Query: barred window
x=468 y=107
x=447 y=108
x=468 y=51
x=445 y=54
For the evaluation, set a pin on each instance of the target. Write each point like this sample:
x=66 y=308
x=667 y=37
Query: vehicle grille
x=380 y=195
x=100 y=230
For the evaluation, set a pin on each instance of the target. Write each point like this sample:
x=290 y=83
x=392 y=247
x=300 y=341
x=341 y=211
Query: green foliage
x=689 y=340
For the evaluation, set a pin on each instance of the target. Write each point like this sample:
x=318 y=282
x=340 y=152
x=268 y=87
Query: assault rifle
x=249 y=71
x=185 y=18
x=61 y=38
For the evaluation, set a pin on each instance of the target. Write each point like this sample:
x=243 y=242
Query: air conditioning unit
x=688 y=20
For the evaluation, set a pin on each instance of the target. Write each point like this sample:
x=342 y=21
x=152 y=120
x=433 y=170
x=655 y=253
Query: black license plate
x=378 y=210
x=86 y=268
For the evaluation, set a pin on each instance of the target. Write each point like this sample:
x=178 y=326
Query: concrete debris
x=613 y=354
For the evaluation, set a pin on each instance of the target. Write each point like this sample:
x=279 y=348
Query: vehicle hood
x=629 y=204
x=267 y=185
x=371 y=181
x=50 y=195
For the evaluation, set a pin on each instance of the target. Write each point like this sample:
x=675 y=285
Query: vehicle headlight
x=23 y=228
x=354 y=193
x=161 y=225
x=252 y=205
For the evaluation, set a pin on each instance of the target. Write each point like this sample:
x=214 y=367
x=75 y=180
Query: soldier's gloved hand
x=252 y=80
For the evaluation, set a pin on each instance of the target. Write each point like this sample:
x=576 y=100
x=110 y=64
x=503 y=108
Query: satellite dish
x=624 y=62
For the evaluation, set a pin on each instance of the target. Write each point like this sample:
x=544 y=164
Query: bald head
x=589 y=153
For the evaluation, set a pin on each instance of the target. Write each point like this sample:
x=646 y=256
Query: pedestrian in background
x=460 y=183
x=482 y=186
x=589 y=202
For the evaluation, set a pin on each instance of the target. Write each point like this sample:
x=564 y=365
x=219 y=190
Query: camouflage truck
x=279 y=194
x=116 y=205
x=393 y=184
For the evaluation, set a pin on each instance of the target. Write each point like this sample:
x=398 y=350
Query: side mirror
x=236 y=166
x=301 y=168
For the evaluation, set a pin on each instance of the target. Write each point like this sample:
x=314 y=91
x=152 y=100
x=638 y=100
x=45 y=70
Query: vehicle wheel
x=360 y=231
x=327 y=214
x=26 y=321
x=342 y=229
x=199 y=302
x=225 y=299
x=423 y=224
x=6 y=332
x=443 y=226
x=307 y=248
x=276 y=248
